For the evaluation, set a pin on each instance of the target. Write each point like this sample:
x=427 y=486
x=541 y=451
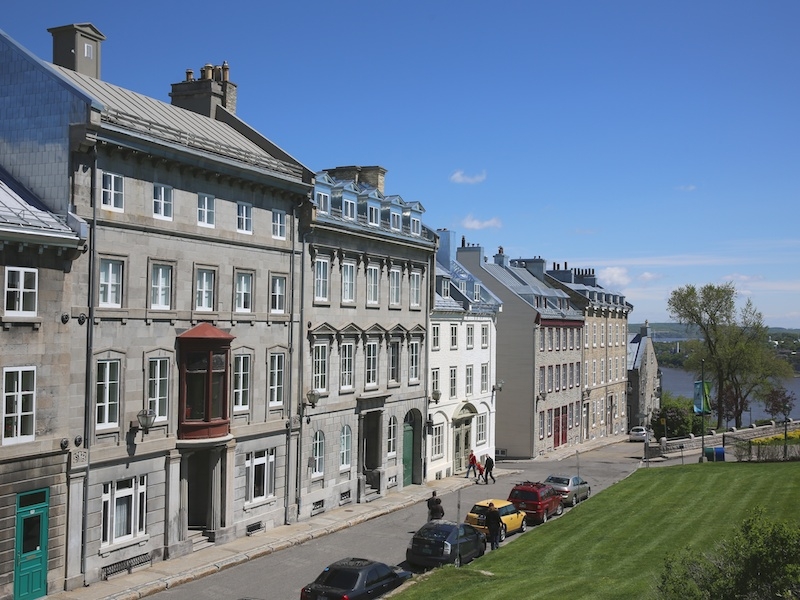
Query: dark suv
x=537 y=500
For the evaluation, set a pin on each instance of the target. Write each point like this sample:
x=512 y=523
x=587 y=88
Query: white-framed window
x=88 y=51
x=550 y=339
x=158 y=386
x=394 y=287
x=470 y=336
x=484 y=378
x=371 y=364
x=391 y=437
x=437 y=443
x=453 y=382
x=373 y=215
x=277 y=294
x=570 y=415
x=586 y=373
x=244 y=217
x=435 y=380
x=108 y=393
x=346 y=354
x=323 y=202
x=110 y=291
x=244 y=291
x=278 y=224
x=557 y=333
x=542 y=380
x=395 y=221
x=571 y=374
x=602 y=370
x=549 y=422
x=19 y=404
x=445 y=288
x=320 y=367
x=318 y=454
x=373 y=284
x=476 y=292
x=260 y=475
x=468 y=380
x=204 y=290
x=348 y=282
x=348 y=209
x=205 y=210
x=22 y=292
x=162 y=202
x=413 y=360
x=453 y=337
x=602 y=335
x=594 y=372
x=550 y=378
x=394 y=361
x=113 y=196
x=558 y=378
x=345 y=444
x=321 y=277
x=124 y=510
x=161 y=287
x=594 y=335
x=415 y=226
x=241 y=381
x=415 y=289
x=481 y=426
x=563 y=376
x=435 y=336
x=277 y=362
x=484 y=336
x=616 y=340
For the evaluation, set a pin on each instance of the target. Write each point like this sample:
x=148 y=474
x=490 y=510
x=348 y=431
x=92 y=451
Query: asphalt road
x=281 y=575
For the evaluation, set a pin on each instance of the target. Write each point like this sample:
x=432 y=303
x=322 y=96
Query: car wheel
x=574 y=499
x=559 y=510
x=457 y=561
x=588 y=493
x=524 y=527
x=544 y=516
x=502 y=533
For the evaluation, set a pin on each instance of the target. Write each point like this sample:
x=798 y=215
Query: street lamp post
x=312 y=397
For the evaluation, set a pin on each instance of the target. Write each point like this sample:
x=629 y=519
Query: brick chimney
x=205 y=94
x=373 y=176
x=77 y=47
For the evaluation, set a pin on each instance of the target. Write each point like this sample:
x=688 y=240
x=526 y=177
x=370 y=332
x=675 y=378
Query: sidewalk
x=170 y=573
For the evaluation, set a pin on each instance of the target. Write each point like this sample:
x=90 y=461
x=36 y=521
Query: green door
x=408 y=454
x=30 y=548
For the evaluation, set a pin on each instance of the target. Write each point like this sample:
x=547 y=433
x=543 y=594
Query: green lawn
x=614 y=545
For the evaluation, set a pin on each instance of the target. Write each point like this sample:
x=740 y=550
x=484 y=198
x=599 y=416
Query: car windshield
x=523 y=495
x=439 y=533
x=479 y=509
x=558 y=480
x=343 y=579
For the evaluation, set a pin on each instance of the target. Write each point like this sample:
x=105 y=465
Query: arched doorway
x=462 y=436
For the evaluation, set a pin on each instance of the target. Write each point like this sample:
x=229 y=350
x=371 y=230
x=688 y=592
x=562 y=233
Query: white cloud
x=470 y=222
x=460 y=177
x=613 y=277
x=686 y=188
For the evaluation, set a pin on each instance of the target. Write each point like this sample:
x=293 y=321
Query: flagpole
x=703 y=408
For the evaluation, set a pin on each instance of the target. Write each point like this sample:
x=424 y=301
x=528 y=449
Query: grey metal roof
x=138 y=113
x=446 y=304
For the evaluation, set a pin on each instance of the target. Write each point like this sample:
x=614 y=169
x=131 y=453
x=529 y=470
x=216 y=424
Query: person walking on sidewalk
x=472 y=464
x=488 y=467
x=493 y=523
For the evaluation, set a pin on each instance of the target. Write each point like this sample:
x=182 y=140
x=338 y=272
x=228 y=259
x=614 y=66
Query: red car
x=539 y=501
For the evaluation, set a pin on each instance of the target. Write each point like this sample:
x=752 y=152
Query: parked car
x=539 y=501
x=440 y=542
x=513 y=519
x=354 y=579
x=639 y=434
x=573 y=489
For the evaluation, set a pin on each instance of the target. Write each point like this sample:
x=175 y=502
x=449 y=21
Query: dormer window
x=476 y=292
x=445 y=288
x=349 y=209
x=415 y=226
x=323 y=202
x=373 y=215
x=395 y=221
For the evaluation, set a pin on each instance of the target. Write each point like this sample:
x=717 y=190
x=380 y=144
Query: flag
x=701 y=402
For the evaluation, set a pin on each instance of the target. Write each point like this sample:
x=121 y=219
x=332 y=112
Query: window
x=445 y=288
x=602 y=335
x=348 y=209
x=204 y=403
x=484 y=378
x=22 y=287
x=541 y=425
x=346 y=351
x=476 y=292
x=241 y=381
x=162 y=202
x=88 y=51
x=616 y=339
x=205 y=210
x=413 y=361
x=318 y=454
x=161 y=287
x=594 y=372
x=348 y=282
x=571 y=339
x=244 y=292
x=558 y=377
x=435 y=380
x=594 y=335
x=124 y=510
x=244 y=217
x=550 y=378
x=437 y=444
x=415 y=226
x=571 y=375
x=277 y=362
x=549 y=422
x=468 y=380
x=453 y=382
x=323 y=202
x=558 y=338
x=602 y=370
x=435 y=336
x=279 y=224
x=481 y=423
x=586 y=373
x=373 y=285
x=371 y=364
x=345 y=442
x=373 y=215
x=394 y=221
x=571 y=413
x=19 y=404
x=277 y=294
x=112 y=192
x=394 y=287
x=320 y=373
x=415 y=287
x=484 y=336
x=107 y=400
x=550 y=338
x=391 y=438
x=158 y=386
x=260 y=475
x=470 y=336
x=321 y=271
x=542 y=381
x=204 y=290
x=454 y=337
x=110 y=293
x=394 y=362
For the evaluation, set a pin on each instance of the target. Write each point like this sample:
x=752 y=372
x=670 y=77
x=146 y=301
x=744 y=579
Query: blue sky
x=656 y=142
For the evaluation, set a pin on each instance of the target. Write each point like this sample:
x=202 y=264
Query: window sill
x=33 y=321
x=256 y=504
x=106 y=551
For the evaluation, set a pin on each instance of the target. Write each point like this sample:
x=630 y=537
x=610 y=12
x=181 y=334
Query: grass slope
x=614 y=545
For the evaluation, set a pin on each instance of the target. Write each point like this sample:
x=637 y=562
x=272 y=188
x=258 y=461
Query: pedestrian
x=488 y=467
x=480 y=471
x=494 y=524
x=431 y=503
x=437 y=512
x=472 y=463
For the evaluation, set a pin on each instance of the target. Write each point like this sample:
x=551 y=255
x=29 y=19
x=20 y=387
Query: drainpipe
x=300 y=396
x=290 y=366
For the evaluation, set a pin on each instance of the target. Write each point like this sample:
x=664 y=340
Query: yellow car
x=513 y=519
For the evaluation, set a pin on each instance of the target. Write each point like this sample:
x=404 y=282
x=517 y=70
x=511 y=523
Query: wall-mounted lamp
x=498 y=387
x=541 y=397
x=435 y=396
x=312 y=398
x=144 y=421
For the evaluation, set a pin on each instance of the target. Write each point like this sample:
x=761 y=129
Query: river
x=681 y=383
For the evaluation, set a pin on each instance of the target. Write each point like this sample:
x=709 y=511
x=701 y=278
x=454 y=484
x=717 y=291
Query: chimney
x=373 y=176
x=203 y=95
x=77 y=47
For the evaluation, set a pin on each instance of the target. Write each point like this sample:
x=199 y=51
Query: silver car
x=573 y=489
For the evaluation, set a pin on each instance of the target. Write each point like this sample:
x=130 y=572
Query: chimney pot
x=189 y=75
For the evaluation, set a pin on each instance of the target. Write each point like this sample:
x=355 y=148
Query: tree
x=677 y=412
x=761 y=560
x=779 y=401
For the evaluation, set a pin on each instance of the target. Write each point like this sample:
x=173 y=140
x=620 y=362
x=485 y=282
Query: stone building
x=644 y=378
